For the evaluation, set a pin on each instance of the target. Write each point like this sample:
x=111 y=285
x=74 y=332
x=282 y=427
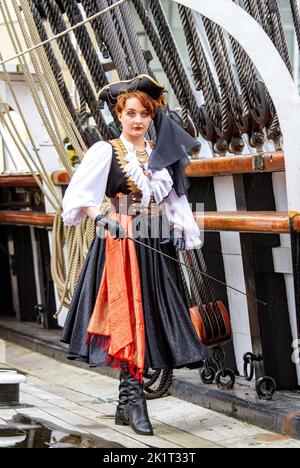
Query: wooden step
x=266 y=222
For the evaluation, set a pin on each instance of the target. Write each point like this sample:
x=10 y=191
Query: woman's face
x=135 y=118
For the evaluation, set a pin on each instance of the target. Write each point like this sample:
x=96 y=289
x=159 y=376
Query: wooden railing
x=263 y=222
x=211 y=167
x=266 y=222
x=27 y=218
x=18 y=180
x=271 y=162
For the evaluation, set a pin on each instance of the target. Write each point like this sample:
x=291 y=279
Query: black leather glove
x=177 y=238
x=113 y=227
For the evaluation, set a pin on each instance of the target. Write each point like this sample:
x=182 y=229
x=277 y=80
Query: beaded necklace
x=142 y=156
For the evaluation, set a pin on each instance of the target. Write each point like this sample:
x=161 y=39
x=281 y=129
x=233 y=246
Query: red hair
x=147 y=101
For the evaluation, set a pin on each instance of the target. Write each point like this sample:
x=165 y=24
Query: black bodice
x=117 y=180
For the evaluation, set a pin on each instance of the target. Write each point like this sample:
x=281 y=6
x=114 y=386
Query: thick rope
x=27 y=157
x=53 y=132
x=85 y=43
x=72 y=60
x=55 y=66
x=204 y=79
x=63 y=33
x=296 y=18
x=104 y=28
x=65 y=270
x=48 y=82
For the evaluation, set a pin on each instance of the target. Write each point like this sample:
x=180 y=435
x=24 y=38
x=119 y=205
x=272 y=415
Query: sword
x=216 y=280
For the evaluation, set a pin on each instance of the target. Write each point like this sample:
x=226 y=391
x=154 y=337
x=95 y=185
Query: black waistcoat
x=118 y=181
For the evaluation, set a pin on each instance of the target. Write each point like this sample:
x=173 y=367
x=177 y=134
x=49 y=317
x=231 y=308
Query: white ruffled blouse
x=88 y=184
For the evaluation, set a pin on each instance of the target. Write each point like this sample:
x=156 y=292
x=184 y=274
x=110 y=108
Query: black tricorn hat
x=145 y=83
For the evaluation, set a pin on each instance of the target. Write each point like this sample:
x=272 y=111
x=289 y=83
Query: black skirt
x=171 y=340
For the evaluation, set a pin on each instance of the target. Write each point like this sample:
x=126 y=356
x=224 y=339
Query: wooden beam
x=17 y=180
x=211 y=167
x=27 y=218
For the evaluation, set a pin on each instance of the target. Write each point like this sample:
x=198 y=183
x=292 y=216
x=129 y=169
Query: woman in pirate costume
x=129 y=310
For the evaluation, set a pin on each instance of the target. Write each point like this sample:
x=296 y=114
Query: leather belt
x=131 y=205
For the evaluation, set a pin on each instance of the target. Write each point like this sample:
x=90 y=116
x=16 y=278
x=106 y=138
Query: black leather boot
x=121 y=417
x=137 y=407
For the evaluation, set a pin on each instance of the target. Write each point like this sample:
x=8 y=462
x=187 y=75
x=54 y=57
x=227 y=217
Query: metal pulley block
x=237 y=144
x=227 y=134
x=221 y=146
x=189 y=127
x=206 y=126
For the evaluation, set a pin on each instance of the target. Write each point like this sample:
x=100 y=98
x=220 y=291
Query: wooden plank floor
x=81 y=401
